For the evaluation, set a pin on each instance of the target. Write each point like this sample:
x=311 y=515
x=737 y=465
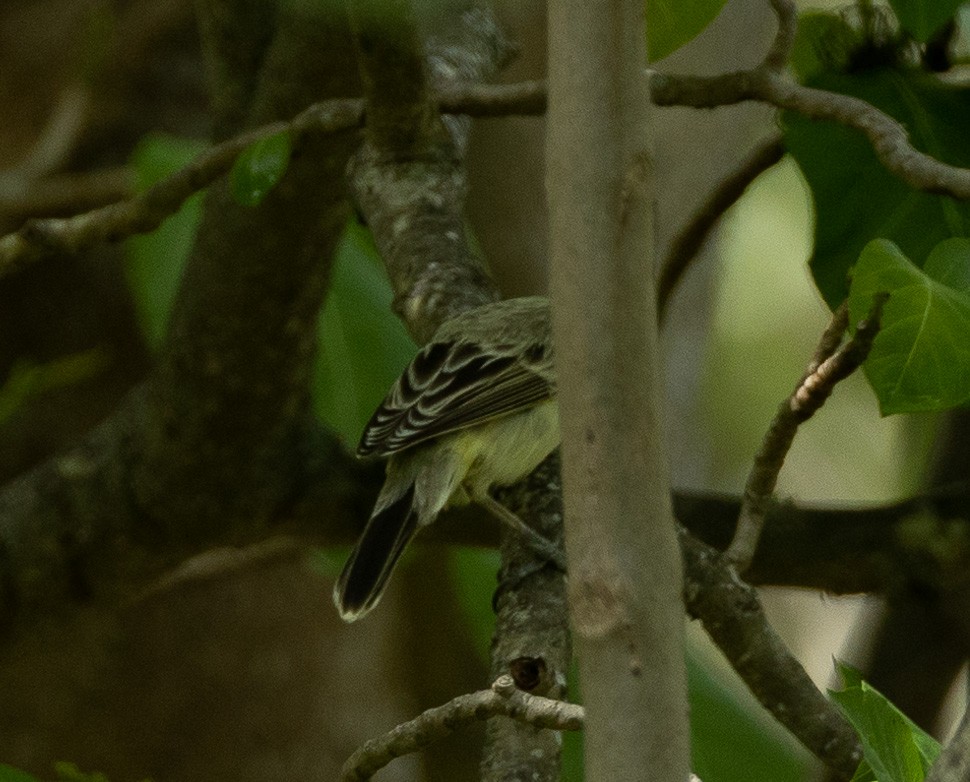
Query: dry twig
x=830 y=364
x=502 y=700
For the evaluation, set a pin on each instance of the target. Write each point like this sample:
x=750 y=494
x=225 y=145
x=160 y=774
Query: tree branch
x=733 y=617
x=691 y=238
x=532 y=623
x=502 y=700
x=413 y=193
x=953 y=764
x=888 y=137
x=779 y=53
x=39 y=239
x=410 y=184
x=830 y=365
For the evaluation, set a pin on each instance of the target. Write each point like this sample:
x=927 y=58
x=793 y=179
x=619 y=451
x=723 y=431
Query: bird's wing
x=453 y=385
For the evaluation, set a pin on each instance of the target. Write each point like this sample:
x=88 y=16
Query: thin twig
x=830 y=364
x=41 y=238
x=888 y=137
x=732 y=615
x=64 y=194
x=690 y=239
x=502 y=700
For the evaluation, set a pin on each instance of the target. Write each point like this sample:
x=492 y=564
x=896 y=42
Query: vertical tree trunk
x=624 y=563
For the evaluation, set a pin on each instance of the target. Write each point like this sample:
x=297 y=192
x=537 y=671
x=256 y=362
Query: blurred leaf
x=856 y=199
x=896 y=749
x=363 y=346
x=96 y=39
x=821 y=39
x=672 y=23
x=920 y=359
x=156 y=260
x=11 y=774
x=25 y=379
x=730 y=739
x=922 y=18
x=864 y=773
x=328 y=561
x=259 y=168
x=473 y=573
x=69 y=772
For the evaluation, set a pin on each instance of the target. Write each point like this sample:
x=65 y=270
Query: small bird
x=476 y=408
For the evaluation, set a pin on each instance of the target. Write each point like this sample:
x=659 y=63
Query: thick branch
x=732 y=616
x=413 y=193
x=216 y=445
x=532 y=624
x=410 y=184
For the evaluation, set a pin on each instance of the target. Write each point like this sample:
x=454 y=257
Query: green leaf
x=363 y=346
x=156 y=260
x=672 y=23
x=731 y=740
x=896 y=749
x=922 y=18
x=69 y=772
x=26 y=379
x=856 y=199
x=920 y=359
x=864 y=773
x=259 y=168
x=821 y=39
x=11 y=774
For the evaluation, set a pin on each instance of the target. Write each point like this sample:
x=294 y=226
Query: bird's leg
x=541 y=547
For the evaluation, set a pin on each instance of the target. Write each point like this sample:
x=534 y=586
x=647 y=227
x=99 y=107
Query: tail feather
x=364 y=577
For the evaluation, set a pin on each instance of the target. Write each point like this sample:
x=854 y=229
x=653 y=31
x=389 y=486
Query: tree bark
x=624 y=564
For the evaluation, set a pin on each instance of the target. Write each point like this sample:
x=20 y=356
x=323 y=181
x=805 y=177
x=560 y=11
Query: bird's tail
x=365 y=575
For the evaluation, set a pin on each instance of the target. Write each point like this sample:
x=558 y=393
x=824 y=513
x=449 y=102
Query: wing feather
x=452 y=385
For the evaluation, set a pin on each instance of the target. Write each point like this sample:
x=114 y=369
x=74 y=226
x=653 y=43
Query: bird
x=475 y=408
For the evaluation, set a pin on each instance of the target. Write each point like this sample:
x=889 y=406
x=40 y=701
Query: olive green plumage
x=474 y=409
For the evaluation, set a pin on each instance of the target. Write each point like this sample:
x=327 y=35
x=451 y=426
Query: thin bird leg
x=540 y=546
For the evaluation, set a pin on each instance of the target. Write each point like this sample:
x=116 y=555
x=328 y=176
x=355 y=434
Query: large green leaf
x=920 y=359
x=156 y=260
x=922 y=18
x=363 y=346
x=672 y=23
x=894 y=747
x=856 y=199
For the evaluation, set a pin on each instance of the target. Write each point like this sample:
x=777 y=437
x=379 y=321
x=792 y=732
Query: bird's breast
x=507 y=449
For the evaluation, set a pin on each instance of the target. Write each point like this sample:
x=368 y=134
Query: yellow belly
x=507 y=449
